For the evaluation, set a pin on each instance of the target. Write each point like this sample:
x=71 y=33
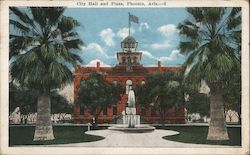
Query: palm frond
x=188 y=29
x=233 y=23
x=67 y=24
x=73 y=44
x=18 y=44
x=213 y=15
x=187 y=46
x=48 y=52
x=197 y=13
x=54 y=14
x=39 y=15
x=22 y=16
x=73 y=58
x=19 y=26
x=59 y=73
x=235 y=11
x=45 y=48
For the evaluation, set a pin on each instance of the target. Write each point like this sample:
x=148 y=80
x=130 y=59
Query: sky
x=103 y=29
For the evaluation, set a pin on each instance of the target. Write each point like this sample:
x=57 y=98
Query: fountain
x=131 y=121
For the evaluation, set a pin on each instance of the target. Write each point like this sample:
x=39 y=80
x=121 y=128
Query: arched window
x=142 y=82
x=133 y=45
x=129 y=60
x=114 y=83
x=128 y=84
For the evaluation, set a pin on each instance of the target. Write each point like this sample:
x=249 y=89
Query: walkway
x=121 y=139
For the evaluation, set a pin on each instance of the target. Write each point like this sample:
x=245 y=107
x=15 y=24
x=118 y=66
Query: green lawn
x=198 y=135
x=23 y=135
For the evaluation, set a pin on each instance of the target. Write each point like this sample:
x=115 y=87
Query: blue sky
x=102 y=29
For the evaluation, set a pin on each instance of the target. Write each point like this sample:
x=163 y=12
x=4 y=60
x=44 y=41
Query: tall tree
x=197 y=103
x=60 y=106
x=96 y=94
x=161 y=91
x=26 y=100
x=23 y=98
x=232 y=93
x=43 y=42
x=211 y=39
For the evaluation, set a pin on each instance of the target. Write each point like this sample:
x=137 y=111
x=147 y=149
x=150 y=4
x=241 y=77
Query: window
x=132 y=61
x=129 y=60
x=81 y=109
x=153 y=112
x=105 y=111
x=115 y=83
x=135 y=60
x=142 y=82
x=123 y=60
x=114 y=110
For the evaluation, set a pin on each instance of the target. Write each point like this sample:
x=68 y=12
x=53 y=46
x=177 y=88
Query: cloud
x=174 y=54
x=107 y=36
x=160 y=46
x=95 y=49
x=148 y=54
x=169 y=33
x=92 y=63
x=123 y=32
x=168 y=30
x=143 y=26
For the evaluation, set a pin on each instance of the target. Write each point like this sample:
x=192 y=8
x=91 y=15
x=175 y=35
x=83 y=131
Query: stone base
x=136 y=129
x=130 y=111
x=43 y=133
x=131 y=120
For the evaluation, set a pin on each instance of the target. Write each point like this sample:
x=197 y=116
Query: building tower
x=129 y=57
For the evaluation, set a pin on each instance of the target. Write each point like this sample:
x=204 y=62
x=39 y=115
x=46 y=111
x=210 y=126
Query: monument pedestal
x=131 y=119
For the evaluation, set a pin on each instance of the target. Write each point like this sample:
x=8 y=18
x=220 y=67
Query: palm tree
x=211 y=38
x=43 y=42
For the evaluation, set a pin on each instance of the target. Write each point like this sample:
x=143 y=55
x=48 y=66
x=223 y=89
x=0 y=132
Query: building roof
x=122 y=69
x=129 y=39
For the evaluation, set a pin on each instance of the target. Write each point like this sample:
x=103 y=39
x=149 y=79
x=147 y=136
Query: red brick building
x=128 y=71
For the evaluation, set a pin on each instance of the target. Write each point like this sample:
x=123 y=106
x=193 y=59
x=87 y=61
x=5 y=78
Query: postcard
x=124 y=77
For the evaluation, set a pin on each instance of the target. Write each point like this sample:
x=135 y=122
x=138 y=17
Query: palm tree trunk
x=217 y=126
x=44 y=130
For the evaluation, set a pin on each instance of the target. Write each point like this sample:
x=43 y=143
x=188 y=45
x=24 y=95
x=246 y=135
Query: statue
x=131 y=98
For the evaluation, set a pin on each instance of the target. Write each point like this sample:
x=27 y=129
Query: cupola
x=129 y=44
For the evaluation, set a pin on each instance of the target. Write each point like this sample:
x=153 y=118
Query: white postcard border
x=4 y=32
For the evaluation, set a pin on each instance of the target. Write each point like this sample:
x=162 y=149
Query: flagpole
x=128 y=23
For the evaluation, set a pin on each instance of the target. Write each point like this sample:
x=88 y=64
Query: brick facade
x=123 y=73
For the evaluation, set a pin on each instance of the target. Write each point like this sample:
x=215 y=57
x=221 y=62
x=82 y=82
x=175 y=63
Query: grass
x=198 y=135
x=23 y=135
